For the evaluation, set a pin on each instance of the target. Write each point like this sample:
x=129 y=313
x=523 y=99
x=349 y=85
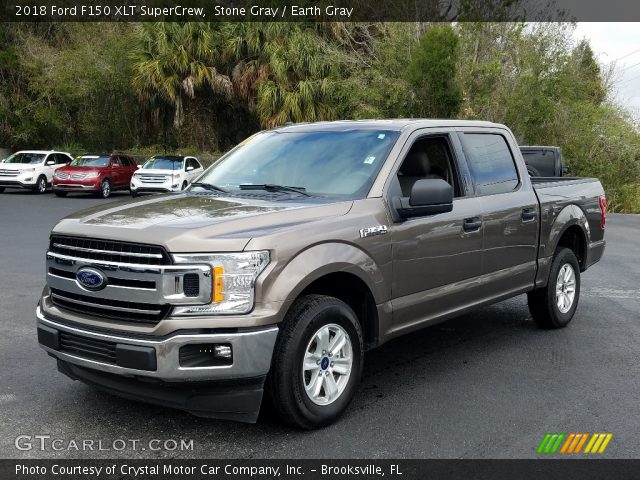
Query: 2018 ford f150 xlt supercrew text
x=300 y=249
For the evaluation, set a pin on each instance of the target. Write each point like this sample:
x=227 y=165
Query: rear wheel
x=317 y=362
x=105 y=189
x=184 y=185
x=41 y=184
x=58 y=193
x=554 y=305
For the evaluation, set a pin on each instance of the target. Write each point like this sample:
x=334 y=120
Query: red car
x=100 y=174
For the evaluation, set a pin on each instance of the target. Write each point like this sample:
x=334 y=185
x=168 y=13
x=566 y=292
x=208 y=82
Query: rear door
x=437 y=259
x=510 y=211
x=117 y=171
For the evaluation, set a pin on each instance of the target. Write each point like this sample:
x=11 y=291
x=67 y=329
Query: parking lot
x=486 y=385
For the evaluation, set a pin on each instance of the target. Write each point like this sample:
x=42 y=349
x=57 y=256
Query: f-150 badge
x=373 y=231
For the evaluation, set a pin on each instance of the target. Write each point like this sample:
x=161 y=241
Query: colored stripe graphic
x=572 y=443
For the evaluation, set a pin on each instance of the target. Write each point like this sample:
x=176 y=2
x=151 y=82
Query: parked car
x=165 y=173
x=99 y=174
x=31 y=169
x=299 y=250
x=544 y=161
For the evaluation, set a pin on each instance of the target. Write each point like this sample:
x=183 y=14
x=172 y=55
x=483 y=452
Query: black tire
x=184 y=185
x=285 y=384
x=543 y=302
x=105 y=189
x=133 y=193
x=58 y=193
x=41 y=185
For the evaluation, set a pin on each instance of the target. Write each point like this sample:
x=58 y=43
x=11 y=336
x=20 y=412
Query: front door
x=437 y=259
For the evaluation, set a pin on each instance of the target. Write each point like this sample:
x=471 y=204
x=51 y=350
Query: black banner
x=176 y=469
x=319 y=10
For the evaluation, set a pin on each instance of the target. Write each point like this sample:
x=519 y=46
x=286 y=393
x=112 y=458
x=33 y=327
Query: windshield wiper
x=208 y=186
x=272 y=187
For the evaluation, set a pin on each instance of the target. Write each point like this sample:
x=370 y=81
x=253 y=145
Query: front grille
x=91 y=348
x=152 y=178
x=118 y=282
x=191 y=285
x=102 y=307
x=120 y=252
x=9 y=173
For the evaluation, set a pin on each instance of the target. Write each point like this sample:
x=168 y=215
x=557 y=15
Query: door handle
x=529 y=214
x=472 y=224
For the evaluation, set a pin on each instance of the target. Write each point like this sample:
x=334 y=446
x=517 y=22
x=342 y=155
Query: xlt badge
x=372 y=231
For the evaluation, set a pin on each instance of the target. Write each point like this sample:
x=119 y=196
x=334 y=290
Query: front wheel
x=41 y=184
x=184 y=185
x=105 y=189
x=317 y=362
x=554 y=305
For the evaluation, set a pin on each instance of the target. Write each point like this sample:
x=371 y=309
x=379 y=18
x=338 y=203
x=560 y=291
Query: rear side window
x=490 y=162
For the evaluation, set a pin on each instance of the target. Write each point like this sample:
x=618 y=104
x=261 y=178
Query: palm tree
x=173 y=60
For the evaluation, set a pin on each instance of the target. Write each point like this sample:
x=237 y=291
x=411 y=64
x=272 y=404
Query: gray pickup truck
x=299 y=250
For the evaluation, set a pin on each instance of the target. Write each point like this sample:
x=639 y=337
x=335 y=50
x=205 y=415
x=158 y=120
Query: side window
x=116 y=161
x=126 y=161
x=429 y=157
x=192 y=163
x=61 y=159
x=490 y=162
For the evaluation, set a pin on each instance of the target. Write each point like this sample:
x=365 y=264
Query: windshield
x=323 y=163
x=90 y=161
x=32 y=158
x=158 y=163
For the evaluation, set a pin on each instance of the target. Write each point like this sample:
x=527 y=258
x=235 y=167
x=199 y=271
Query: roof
x=391 y=124
x=172 y=157
x=40 y=151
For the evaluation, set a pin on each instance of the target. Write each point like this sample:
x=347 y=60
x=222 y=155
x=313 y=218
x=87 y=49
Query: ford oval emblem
x=91 y=279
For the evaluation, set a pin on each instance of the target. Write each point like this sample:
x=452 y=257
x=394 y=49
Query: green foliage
x=432 y=72
x=203 y=87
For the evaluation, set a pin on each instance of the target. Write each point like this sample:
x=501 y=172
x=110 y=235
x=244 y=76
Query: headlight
x=176 y=176
x=27 y=170
x=234 y=276
x=93 y=175
x=60 y=175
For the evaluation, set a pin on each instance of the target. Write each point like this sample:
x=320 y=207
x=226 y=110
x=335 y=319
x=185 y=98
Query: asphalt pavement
x=485 y=385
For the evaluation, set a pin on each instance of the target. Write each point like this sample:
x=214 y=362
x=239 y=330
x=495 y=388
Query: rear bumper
x=596 y=250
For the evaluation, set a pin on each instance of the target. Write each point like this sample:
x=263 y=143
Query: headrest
x=416 y=164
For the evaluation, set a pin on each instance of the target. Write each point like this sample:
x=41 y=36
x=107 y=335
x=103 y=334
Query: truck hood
x=189 y=222
x=157 y=171
x=18 y=166
x=78 y=169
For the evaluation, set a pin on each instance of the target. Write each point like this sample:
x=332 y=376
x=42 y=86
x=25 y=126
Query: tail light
x=602 y=201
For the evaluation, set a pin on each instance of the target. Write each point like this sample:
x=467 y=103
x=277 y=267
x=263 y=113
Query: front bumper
x=68 y=186
x=17 y=184
x=149 y=369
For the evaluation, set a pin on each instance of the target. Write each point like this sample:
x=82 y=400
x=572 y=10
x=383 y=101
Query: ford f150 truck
x=299 y=250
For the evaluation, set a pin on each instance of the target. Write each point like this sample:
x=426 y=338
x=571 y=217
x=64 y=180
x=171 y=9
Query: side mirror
x=428 y=197
x=189 y=168
x=48 y=163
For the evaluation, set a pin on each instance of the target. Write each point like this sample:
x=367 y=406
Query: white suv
x=165 y=173
x=31 y=169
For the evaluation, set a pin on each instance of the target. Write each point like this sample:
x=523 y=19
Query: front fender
x=319 y=260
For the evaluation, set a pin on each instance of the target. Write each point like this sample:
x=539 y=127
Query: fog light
x=28 y=179
x=206 y=355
